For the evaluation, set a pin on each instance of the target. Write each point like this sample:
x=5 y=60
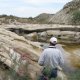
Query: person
x=51 y=59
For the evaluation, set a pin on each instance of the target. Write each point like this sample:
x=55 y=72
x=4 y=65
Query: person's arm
x=61 y=61
x=42 y=59
x=61 y=58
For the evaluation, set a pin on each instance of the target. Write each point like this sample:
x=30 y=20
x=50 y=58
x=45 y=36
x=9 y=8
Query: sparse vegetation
x=76 y=18
x=17 y=71
x=74 y=75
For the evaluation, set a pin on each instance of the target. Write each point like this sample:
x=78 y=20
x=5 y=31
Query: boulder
x=14 y=48
x=32 y=36
x=53 y=32
x=42 y=36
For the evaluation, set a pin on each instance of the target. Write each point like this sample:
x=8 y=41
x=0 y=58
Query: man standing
x=51 y=59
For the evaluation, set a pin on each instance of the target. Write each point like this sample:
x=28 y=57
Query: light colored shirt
x=51 y=57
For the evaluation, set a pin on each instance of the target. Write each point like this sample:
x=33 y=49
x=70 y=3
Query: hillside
x=43 y=18
x=65 y=15
x=10 y=19
x=70 y=14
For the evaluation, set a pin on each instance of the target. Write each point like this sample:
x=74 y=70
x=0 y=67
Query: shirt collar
x=52 y=46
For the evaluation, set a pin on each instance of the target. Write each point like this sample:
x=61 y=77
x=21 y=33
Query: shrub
x=76 y=18
x=18 y=70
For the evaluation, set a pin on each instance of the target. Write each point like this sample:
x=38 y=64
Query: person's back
x=51 y=58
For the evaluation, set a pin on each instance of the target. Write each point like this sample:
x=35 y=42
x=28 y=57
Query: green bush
x=76 y=18
x=74 y=75
x=19 y=68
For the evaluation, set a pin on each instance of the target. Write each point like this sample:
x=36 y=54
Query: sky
x=30 y=8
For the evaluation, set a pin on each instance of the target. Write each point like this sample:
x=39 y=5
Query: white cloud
x=27 y=8
x=33 y=12
x=36 y=2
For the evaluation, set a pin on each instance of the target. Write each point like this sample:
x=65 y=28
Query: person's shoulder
x=58 y=50
x=46 y=49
